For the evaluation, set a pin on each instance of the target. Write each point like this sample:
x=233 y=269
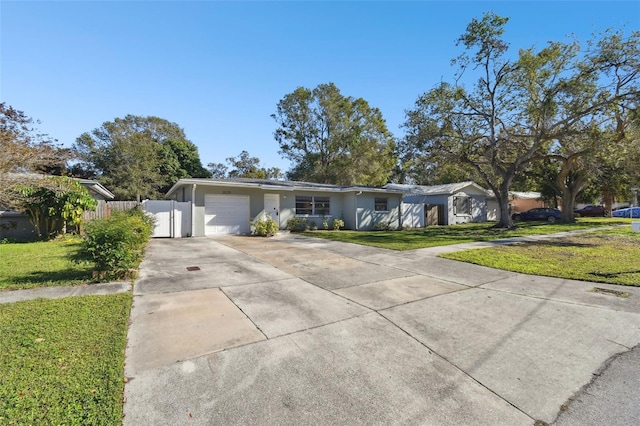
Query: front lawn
x=606 y=256
x=41 y=264
x=433 y=236
x=63 y=360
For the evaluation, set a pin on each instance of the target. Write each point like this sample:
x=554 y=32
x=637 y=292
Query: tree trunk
x=502 y=196
x=569 y=185
x=608 y=201
x=568 y=205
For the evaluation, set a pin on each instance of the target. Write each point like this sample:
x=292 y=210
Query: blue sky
x=218 y=69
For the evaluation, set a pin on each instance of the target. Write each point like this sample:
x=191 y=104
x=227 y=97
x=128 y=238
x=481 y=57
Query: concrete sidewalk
x=296 y=330
x=66 y=291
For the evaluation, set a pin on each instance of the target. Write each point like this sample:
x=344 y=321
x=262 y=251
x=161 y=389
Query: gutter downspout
x=358 y=193
x=193 y=210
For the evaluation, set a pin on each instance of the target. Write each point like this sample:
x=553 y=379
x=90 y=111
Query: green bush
x=116 y=244
x=338 y=224
x=265 y=226
x=382 y=226
x=298 y=224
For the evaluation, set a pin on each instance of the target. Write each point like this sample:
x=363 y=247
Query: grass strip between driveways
x=606 y=256
x=41 y=264
x=62 y=360
x=433 y=236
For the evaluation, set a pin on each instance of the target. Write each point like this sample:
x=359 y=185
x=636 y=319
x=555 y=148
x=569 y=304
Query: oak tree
x=138 y=157
x=332 y=138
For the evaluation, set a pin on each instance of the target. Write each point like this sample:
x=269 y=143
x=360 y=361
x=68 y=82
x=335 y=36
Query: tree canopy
x=332 y=138
x=52 y=203
x=243 y=166
x=23 y=150
x=138 y=157
x=551 y=102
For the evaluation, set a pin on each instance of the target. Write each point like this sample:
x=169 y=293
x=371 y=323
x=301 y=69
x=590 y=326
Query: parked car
x=542 y=213
x=628 y=212
x=592 y=211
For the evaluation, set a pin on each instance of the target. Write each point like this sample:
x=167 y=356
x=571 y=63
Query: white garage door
x=226 y=214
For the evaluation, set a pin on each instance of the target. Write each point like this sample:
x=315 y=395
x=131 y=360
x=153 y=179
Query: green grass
x=433 y=236
x=62 y=360
x=40 y=264
x=606 y=256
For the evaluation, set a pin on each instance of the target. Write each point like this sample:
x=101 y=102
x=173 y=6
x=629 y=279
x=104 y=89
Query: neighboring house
x=518 y=202
x=523 y=201
x=447 y=204
x=227 y=206
x=96 y=189
x=15 y=225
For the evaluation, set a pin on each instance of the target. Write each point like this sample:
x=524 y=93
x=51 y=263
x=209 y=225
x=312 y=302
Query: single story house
x=16 y=225
x=447 y=204
x=227 y=206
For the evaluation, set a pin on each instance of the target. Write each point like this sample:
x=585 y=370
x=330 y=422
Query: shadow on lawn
x=562 y=243
x=39 y=278
x=613 y=274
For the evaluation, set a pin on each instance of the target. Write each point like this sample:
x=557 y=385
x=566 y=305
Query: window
x=309 y=205
x=321 y=205
x=381 y=204
x=462 y=205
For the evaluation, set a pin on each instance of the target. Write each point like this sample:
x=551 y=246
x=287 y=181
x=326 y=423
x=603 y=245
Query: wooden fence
x=105 y=208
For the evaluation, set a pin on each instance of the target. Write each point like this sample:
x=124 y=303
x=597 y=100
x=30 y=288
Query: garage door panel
x=226 y=214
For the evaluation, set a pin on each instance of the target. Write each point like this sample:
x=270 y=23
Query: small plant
x=265 y=226
x=338 y=224
x=325 y=224
x=382 y=226
x=298 y=224
x=313 y=226
x=116 y=244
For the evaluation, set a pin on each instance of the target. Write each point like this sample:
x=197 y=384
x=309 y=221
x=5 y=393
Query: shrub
x=298 y=224
x=381 y=226
x=338 y=224
x=116 y=244
x=265 y=226
x=325 y=224
x=313 y=226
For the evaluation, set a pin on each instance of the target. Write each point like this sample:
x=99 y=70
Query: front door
x=272 y=206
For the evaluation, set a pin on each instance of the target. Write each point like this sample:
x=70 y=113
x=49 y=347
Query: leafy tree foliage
x=218 y=170
x=243 y=166
x=138 y=157
x=331 y=138
x=179 y=159
x=52 y=203
x=23 y=150
x=549 y=103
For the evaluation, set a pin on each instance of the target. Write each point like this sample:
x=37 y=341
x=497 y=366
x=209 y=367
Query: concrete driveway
x=294 y=330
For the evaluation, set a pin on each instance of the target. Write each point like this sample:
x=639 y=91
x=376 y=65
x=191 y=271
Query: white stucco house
x=227 y=206
x=446 y=204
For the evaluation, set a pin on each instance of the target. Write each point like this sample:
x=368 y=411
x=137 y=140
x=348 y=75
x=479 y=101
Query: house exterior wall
x=342 y=206
x=349 y=202
x=367 y=217
x=519 y=205
x=16 y=226
x=338 y=207
x=478 y=209
x=478 y=206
